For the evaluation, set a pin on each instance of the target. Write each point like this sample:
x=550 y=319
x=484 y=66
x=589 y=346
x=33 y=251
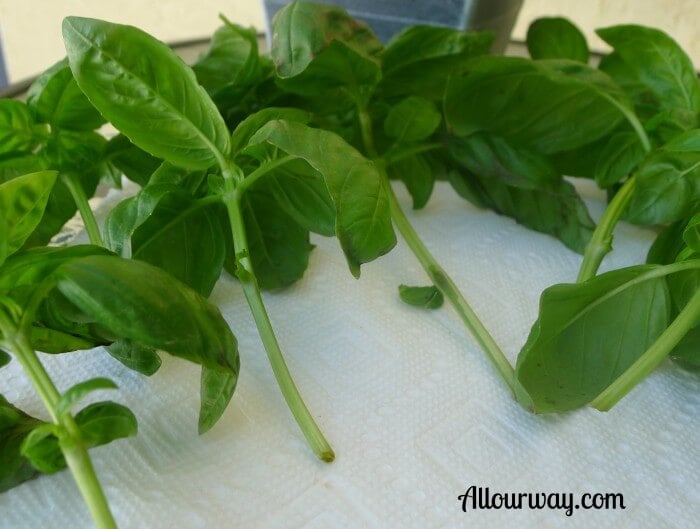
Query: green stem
x=78 y=194
x=601 y=240
x=645 y=364
x=436 y=273
x=246 y=275
x=72 y=444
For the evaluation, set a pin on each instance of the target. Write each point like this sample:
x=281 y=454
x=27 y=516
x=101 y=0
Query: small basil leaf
x=249 y=126
x=56 y=99
x=141 y=359
x=412 y=119
x=588 y=334
x=618 y=158
x=668 y=244
x=103 y=422
x=217 y=388
x=146 y=92
x=54 y=341
x=556 y=38
x=15 y=425
x=363 y=222
x=23 y=201
x=667 y=188
x=658 y=63
x=76 y=393
x=417 y=175
x=17 y=128
x=420 y=59
x=137 y=165
x=532 y=102
x=424 y=297
x=279 y=247
x=41 y=448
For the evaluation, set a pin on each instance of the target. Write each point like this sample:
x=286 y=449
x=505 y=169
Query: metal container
x=387 y=17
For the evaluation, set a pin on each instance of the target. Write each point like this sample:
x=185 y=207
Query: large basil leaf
x=146 y=92
x=419 y=59
x=56 y=99
x=618 y=158
x=318 y=47
x=657 y=62
x=18 y=132
x=15 y=425
x=363 y=221
x=22 y=201
x=588 y=334
x=550 y=106
x=556 y=38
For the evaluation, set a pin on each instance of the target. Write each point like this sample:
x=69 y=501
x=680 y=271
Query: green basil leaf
x=363 y=222
x=691 y=234
x=15 y=425
x=491 y=156
x=76 y=393
x=667 y=124
x=42 y=449
x=686 y=142
x=217 y=388
x=146 y=92
x=682 y=286
x=556 y=38
x=424 y=297
x=532 y=102
x=248 y=127
x=588 y=334
x=420 y=59
x=317 y=48
x=4 y=358
x=55 y=341
x=14 y=165
x=56 y=99
x=557 y=211
x=668 y=244
x=658 y=63
x=137 y=165
x=23 y=201
x=18 y=133
x=667 y=188
x=141 y=359
x=621 y=154
x=412 y=119
x=416 y=174
x=104 y=422
x=279 y=247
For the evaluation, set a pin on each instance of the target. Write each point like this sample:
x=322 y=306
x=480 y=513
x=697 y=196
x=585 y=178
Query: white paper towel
x=410 y=404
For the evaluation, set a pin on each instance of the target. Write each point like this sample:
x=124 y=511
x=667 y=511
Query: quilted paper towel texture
x=413 y=409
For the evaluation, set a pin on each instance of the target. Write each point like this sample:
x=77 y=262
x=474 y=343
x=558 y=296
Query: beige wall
x=32 y=28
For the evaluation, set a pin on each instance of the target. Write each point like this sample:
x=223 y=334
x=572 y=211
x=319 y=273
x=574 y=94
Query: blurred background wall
x=31 y=29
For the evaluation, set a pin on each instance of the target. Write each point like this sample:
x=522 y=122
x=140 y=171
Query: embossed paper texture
x=413 y=409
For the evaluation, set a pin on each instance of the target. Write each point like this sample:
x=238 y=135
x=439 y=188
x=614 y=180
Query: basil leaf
x=588 y=334
x=417 y=175
x=557 y=211
x=41 y=448
x=56 y=99
x=658 y=63
x=137 y=165
x=141 y=359
x=532 y=102
x=667 y=188
x=317 y=48
x=621 y=154
x=424 y=297
x=76 y=393
x=55 y=341
x=691 y=234
x=248 y=127
x=419 y=60
x=23 y=201
x=556 y=38
x=412 y=119
x=18 y=133
x=146 y=92
x=217 y=388
x=15 y=425
x=4 y=359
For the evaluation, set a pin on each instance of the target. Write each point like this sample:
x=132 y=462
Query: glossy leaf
x=217 y=388
x=419 y=59
x=363 y=223
x=56 y=99
x=668 y=244
x=658 y=63
x=417 y=175
x=588 y=334
x=146 y=92
x=141 y=359
x=76 y=393
x=23 y=201
x=41 y=448
x=17 y=128
x=248 y=127
x=556 y=38
x=412 y=119
x=136 y=164
x=423 y=297
x=15 y=425
x=550 y=106
x=618 y=158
